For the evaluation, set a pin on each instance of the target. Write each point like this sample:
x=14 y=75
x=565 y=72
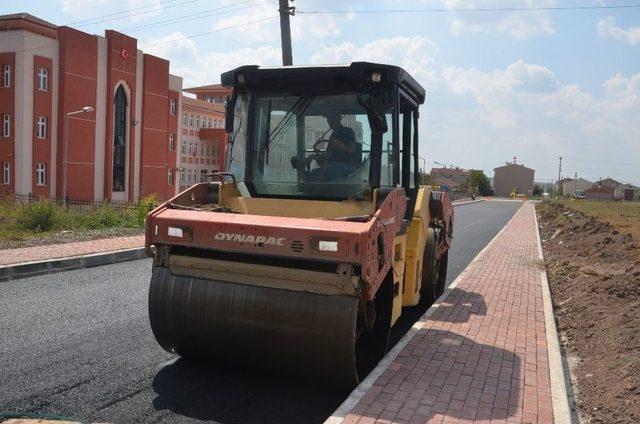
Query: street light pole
x=65 y=143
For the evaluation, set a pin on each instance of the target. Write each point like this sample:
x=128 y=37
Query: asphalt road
x=78 y=344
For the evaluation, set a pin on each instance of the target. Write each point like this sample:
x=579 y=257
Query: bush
x=143 y=207
x=98 y=218
x=41 y=215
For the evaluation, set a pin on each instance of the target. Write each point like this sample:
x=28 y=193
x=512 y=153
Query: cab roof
x=355 y=73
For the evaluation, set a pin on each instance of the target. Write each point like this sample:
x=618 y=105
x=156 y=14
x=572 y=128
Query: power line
x=184 y=18
x=188 y=37
x=471 y=10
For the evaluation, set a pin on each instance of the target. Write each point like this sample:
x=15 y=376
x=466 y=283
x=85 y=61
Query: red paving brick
x=54 y=251
x=481 y=356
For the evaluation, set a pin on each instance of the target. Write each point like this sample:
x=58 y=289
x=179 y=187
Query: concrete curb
x=30 y=269
x=364 y=386
x=466 y=202
x=559 y=393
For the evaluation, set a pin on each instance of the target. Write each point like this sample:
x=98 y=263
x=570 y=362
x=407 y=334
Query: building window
x=6 y=125
x=201 y=150
x=170 y=177
x=208 y=151
x=191 y=120
x=184 y=147
x=197 y=121
x=6 y=172
x=172 y=144
x=43 y=79
x=185 y=119
x=42 y=127
x=41 y=174
x=210 y=122
x=119 y=140
x=6 y=75
x=172 y=106
x=203 y=175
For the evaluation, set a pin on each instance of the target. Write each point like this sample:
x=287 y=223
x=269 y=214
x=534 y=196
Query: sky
x=530 y=85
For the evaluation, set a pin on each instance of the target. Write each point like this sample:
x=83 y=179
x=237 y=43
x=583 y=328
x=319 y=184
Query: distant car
x=546 y=195
x=579 y=194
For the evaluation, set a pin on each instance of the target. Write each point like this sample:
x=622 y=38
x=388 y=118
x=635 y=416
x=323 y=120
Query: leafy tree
x=537 y=191
x=478 y=180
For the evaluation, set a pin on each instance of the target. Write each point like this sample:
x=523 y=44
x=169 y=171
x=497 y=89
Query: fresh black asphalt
x=78 y=344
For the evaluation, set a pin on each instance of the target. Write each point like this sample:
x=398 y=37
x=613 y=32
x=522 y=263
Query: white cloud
x=200 y=68
x=144 y=9
x=607 y=28
x=412 y=53
x=310 y=28
x=111 y=10
x=518 y=24
x=520 y=110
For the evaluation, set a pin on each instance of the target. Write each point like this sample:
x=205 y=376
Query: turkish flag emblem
x=124 y=53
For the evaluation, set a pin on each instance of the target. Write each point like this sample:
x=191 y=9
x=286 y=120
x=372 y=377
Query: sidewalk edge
x=34 y=268
x=358 y=393
x=559 y=393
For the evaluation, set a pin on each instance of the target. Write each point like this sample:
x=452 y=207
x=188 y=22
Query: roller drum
x=300 y=332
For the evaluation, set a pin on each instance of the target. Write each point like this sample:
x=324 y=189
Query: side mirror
x=229 y=106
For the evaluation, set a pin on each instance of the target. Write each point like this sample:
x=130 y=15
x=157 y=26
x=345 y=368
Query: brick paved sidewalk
x=55 y=251
x=481 y=354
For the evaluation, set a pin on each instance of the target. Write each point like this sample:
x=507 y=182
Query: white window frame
x=43 y=79
x=172 y=142
x=42 y=127
x=170 y=177
x=172 y=107
x=191 y=120
x=6 y=125
x=185 y=120
x=184 y=148
x=6 y=75
x=41 y=174
x=6 y=173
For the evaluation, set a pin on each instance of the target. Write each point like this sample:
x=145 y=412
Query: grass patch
x=624 y=216
x=20 y=221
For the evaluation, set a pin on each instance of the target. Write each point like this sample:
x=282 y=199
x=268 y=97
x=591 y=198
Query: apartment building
x=85 y=116
x=202 y=149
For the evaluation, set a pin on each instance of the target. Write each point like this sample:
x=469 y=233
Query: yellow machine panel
x=414 y=250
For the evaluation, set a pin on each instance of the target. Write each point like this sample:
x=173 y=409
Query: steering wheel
x=319 y=154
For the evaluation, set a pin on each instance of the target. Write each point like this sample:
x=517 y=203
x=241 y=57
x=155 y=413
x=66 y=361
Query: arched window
x=119 y=139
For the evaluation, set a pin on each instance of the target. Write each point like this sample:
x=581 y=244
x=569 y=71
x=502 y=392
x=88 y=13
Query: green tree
x=477 y=180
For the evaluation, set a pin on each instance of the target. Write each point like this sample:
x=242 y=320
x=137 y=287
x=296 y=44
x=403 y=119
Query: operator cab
x=325 y=133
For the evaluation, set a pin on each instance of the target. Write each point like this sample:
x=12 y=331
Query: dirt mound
x=594 y=272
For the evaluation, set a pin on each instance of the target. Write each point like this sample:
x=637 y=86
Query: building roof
x=609 y=181
x=27 y=17
x=202 y=105
x=210 y=87
x=511 y=165
x=27 y=22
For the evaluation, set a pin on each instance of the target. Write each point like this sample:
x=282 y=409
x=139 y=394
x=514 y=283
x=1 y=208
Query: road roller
x=304 y=254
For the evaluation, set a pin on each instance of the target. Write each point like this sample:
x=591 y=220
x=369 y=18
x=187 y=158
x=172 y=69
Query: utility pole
x=559 y=174
x=285 y=31
x=575 y=183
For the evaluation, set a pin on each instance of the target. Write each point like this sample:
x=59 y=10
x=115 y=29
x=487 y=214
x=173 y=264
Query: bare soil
x=67 y=237
x=594 y=273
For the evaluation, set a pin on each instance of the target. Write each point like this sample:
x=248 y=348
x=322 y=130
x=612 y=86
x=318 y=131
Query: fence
x=71 y=201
